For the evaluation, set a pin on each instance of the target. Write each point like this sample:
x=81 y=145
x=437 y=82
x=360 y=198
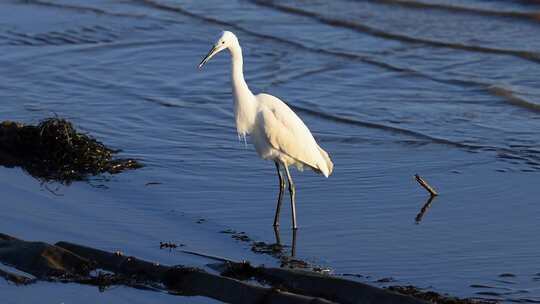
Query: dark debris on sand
x=244 y=271
x=433 y=297
x=238 y=282
x=53 y=150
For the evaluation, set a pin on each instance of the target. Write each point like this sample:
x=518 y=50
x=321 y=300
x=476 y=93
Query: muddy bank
x=67 y=262
x=286 y=256
x=237 y=282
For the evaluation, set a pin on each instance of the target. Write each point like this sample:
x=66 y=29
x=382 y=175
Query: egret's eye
x=222 y=42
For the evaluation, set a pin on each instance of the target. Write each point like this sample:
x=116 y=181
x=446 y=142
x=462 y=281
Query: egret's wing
x=286 y=132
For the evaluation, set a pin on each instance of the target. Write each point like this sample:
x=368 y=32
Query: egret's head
x=227 y=39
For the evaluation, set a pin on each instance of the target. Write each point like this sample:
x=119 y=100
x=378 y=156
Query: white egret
x=277 y=133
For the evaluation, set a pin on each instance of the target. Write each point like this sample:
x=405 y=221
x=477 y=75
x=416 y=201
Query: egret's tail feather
x=327 y=170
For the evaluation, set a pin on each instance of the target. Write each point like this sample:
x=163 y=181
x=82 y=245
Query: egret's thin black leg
x=292 y=192
x=280 y=196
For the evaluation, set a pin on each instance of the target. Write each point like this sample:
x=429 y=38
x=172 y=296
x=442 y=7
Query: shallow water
x=446 y=89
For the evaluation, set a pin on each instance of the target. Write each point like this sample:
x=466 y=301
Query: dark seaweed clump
x=53 y=150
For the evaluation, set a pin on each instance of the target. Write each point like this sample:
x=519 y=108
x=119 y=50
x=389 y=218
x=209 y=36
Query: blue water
x=388 y=88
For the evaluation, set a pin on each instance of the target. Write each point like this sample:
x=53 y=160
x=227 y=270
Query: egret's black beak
x=210 y=54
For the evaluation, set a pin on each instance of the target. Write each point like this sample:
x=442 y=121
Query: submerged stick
x=425 y=185
x=208 y=256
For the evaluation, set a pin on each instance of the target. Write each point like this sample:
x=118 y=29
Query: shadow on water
x=424 y=209
x=285 y=254
x=293 y=242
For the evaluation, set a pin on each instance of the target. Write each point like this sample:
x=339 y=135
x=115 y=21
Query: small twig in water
x=425 y=185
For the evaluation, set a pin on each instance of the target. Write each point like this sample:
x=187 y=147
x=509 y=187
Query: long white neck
x=244 y=100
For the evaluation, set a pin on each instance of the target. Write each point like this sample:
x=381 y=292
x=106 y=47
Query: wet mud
x=66 y=262
x=286 y=256
x=433 y=297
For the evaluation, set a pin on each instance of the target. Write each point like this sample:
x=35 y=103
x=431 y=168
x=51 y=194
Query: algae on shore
x=54 y=150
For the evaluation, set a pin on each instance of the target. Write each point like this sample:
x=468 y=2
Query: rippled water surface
x=390 y=88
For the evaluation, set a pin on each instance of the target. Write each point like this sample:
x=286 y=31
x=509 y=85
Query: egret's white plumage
x=277 y=133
